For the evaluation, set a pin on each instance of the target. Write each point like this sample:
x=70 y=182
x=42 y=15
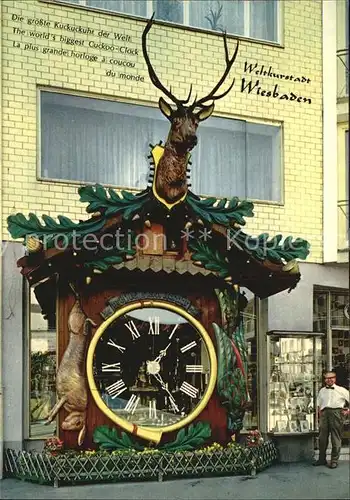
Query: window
x=95 y=140
x=249 y=18
x=295 y=375
x=347 y=61
x=331 y=311
x=347 y=179
x=42 y=350
x=343 y=188
x=343 y=61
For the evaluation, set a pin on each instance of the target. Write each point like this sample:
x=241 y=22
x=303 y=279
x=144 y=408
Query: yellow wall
x=180 y=56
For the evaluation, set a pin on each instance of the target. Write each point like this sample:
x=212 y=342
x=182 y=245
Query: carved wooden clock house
x=149 y=319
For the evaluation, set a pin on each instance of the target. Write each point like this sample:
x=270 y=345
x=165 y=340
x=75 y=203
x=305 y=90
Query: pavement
x=282 y=481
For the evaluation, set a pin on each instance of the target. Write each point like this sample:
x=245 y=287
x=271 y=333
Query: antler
x=152 y=74
x=211 y=96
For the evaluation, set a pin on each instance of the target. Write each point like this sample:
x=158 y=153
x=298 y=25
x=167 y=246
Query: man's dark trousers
x=331 y=422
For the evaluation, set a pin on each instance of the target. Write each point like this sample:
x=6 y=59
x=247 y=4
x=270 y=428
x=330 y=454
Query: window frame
x=42 y=179
x=27 y=362
x=26 y=359
x=256 y=319
x=329 y=293
x=279 y=21
x=343 y=185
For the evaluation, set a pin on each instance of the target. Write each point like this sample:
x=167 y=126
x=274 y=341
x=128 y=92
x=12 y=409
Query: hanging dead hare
x=71 y=383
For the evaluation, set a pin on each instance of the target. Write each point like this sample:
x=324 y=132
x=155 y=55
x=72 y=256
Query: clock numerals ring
x=151 y=368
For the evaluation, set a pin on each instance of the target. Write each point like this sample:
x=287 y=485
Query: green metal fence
x=70 y=468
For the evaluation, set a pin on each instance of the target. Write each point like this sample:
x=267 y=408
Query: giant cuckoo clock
x=149 y=330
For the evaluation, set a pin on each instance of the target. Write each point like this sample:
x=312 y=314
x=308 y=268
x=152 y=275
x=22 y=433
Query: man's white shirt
x=334 y=397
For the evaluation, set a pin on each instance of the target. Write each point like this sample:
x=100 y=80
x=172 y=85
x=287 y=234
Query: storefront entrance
x=331 y=315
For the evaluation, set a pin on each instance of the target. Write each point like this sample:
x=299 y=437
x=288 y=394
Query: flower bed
x=101 y=466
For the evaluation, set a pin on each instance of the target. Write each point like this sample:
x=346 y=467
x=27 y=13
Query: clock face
x=152 y=366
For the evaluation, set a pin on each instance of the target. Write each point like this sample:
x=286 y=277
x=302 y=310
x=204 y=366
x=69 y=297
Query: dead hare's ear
x=204 y=113
x=81 y=435
x=165 y=108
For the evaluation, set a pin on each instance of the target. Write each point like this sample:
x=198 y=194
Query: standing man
x=331 y=400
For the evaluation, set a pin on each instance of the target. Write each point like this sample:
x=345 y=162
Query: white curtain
x=219 y=159
x=218 y=15
x=263 y=162
x=263 y=19
x=93 y=140
x=169 y=10
x=96 y=145
x=136 y=7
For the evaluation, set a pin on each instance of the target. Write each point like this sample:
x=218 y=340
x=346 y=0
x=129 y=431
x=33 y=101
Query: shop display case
x=294 y=381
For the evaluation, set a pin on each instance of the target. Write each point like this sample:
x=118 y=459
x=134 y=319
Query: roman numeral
x=114 y=367
x=189 y=389
x=153 y=325
x=133 y=330
x=188 y=346
x=152 y=409
x=194 y=368
x=174 y=330
x=115 y=389
x=113 y=344
x=131 y=405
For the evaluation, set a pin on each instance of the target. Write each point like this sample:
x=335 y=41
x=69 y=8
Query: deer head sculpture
x=170 y=178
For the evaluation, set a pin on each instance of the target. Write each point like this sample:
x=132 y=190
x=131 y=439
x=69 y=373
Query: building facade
x=79 y=108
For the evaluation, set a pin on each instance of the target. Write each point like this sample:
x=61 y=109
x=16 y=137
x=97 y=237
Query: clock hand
x=160 y=380
x=172 y=402
x=164 y=387
x=162 y=353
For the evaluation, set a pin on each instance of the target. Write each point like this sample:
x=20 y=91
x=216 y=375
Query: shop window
x=295 y=378
x=250 y=321
x=95 y=140
x=253 y=19
x=339 y=310
x=42 y=359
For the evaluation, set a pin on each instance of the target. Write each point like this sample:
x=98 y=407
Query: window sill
x=71 y=183
x=164 y=23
